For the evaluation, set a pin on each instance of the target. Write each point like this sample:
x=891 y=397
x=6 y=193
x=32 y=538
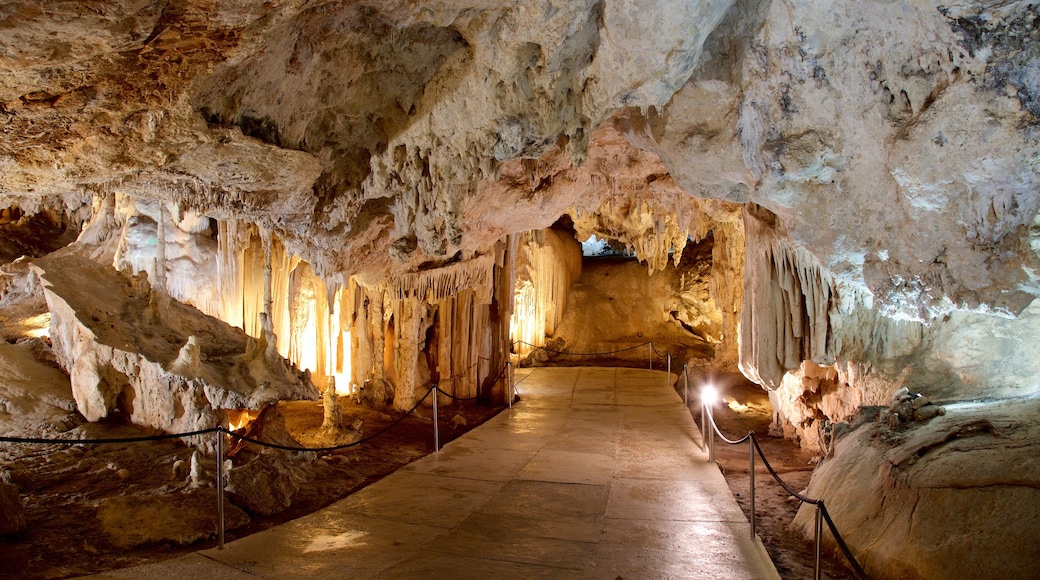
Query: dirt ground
x=774 y=508
x=63 y=488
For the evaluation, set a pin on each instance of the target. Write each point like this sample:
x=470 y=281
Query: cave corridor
x=292 y=220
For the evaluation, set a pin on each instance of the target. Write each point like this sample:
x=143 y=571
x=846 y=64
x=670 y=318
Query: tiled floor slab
x=596 y=473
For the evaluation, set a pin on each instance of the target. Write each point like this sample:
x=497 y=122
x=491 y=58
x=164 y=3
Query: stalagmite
x=188 y=359
x=332 y=418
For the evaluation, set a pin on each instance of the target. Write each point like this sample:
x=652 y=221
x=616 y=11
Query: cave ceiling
x=897 y=146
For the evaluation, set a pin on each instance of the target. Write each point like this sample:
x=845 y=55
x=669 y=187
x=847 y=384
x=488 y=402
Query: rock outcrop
x=959 y=492
x=124 y=354
x=12 y=516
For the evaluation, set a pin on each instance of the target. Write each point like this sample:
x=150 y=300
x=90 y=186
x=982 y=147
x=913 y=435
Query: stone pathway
x=597 y=473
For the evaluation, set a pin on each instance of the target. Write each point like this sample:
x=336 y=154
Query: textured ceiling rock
x=347 y=112
x=880 y=138
x=897 y=146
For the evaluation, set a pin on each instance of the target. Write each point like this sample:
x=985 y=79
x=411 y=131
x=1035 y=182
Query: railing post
x=650 y=355
x=668 y=375
x=704 y=422
x=751 y=478
x=819 y=537
x=436 y=422
x=220 y=488
x=509 y=383
x=711 y=437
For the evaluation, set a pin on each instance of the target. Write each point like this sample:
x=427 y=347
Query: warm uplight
x=709 y=395
x=527 y=325
x=240 y=419
x=735 y=405
x=38 y=326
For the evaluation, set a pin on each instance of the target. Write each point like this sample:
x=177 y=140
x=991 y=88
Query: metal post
x=711 y=437
x=685 y=386
x=819 y=536
x=751 y=478
x=650 y=356
x=436 y=426
x=220 y=489
x=704 y=423
x=668 y=376
x=509 y=383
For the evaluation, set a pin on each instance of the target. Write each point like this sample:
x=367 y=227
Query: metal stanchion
x=650 y=356
x=509 y=383
x=819 y=537
x=668 y=375
x=704 y=423
x=751 y=478
x=711 y=437
x=220 y=489
x=436 y=426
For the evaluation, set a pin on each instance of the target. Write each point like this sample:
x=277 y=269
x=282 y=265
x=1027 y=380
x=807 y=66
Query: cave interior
x=216 y=210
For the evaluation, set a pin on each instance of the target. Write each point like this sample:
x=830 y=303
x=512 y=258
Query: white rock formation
x=124 y=356
x=893 y=494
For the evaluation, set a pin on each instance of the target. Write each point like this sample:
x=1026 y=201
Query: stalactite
x=795 y=311
x=358 y=334
x=160 y=251
x=441 y=283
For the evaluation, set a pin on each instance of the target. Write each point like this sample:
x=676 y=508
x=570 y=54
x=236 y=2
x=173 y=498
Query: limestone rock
x=180 y=518
x=959 y=492
x=32 y=395
x=265 y=485
x=12 y=516
x=117 y=363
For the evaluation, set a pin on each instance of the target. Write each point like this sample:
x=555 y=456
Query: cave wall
x=391 y=338
x=871 y=168
x=548 y=263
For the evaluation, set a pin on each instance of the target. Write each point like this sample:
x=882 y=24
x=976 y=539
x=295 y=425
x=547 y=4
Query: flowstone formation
x=376 y=179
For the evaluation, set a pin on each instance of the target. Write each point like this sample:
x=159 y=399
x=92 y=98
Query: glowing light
x=240 y=419
x=524 y=328
x=325 y=542
x=735 y=405
x=709 y=395
x=38 y=326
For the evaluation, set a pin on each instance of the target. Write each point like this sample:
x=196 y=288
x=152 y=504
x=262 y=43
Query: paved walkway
x=597 y=473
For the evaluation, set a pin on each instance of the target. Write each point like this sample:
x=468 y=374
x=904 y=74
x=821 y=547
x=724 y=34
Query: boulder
x=265 y=485
x=960 y=492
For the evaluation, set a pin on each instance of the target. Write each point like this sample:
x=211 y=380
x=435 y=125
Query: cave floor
x=596 y=473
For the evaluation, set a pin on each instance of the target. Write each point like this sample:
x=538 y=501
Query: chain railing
x=709 y=429
x=221 y=433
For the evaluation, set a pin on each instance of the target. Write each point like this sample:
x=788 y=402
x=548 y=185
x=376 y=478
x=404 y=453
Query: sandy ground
x=774 y=508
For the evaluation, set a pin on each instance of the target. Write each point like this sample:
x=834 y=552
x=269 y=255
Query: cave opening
x=604 y=303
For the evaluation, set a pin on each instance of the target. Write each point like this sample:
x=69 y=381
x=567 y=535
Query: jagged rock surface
x=119 y=352
x=12 y=516
x=265 y=485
